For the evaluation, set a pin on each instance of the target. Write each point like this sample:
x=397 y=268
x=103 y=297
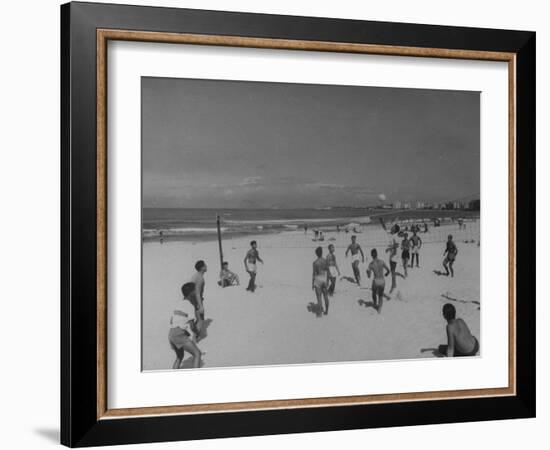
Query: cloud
x=251 y=181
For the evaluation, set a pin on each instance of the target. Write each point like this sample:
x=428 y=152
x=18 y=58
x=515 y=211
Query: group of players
x=326 y=270
x=187 y=323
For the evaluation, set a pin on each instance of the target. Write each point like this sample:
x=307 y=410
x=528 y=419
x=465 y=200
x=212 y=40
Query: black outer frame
x=79 y=424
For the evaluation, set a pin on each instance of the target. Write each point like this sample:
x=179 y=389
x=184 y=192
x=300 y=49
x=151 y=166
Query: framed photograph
x=276 y=224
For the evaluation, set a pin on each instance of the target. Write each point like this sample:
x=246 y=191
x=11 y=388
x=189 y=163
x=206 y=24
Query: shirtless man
x=460 y=341
x=319 y=281
x=355 y=249
x=451 y=251
x=198 y=280
x=405 y=252
x=377 y=267
x=250 y=259
x=333 y=269
x=416 y=244
x=392 y=250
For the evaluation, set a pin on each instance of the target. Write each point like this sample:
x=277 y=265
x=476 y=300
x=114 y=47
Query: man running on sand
x=334 y=270
x=377 y=266
x=405 y=252
x=460 y=341
x=392 y=250
x=451 y=252
x=416 y=243
x=250 y=259
x=319 y=282
x=355 y=249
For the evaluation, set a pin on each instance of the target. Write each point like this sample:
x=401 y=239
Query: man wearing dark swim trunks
x=450 y=251
x=460 y=341
x=392 y=250
x=377 y=267
x=319 y=281
x=405 y=252
x=416 y=243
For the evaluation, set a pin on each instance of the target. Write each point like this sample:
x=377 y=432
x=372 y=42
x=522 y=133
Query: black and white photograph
x=301 y=223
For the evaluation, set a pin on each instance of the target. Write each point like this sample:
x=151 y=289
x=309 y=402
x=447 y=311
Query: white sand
x=273 y=325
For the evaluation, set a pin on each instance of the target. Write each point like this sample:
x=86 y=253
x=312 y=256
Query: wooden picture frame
x=86 y=418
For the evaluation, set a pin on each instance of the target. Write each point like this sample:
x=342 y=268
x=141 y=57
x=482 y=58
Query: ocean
x=200 y=224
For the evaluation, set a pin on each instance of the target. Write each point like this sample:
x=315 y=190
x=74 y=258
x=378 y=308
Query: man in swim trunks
x=416 y=245
x=451 y=251
x=319 y=282
x=460 y=341
x=377 y=267
x=182 y=328
x=250 y=259
x=405 y=252
x=333 y=269
x=392 y=250
x=198 y=280
x=355 y=249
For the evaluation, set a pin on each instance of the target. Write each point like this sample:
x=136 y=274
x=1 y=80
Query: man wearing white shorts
x=250 y=259
x=355 y=249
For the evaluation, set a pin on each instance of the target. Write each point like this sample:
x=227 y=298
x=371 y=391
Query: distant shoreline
x=206 y=231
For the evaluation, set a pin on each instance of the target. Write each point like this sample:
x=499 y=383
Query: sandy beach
x=274 y=326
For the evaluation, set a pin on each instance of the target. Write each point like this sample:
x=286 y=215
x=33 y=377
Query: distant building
x=397 y=205
x=420 y=205
x=474 y=205
x=407 y=206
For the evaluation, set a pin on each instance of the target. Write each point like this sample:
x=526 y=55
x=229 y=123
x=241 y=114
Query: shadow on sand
x=452 y=299
x=314 y=309
x=369 y=304
x=437 y=352
x=439 y=273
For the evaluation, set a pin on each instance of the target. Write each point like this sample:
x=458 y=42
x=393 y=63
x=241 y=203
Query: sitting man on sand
x=377 y=267
x=355 y=249
x=182 y=323
x=451 y=252
x=250 y=259
x=319 y=282
x=460 y=341
x=228 y=278
x=333 y=269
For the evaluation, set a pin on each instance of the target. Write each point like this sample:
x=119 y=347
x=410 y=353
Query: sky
x=242 y=144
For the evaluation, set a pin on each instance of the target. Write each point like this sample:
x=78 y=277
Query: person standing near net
x=250 y=265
